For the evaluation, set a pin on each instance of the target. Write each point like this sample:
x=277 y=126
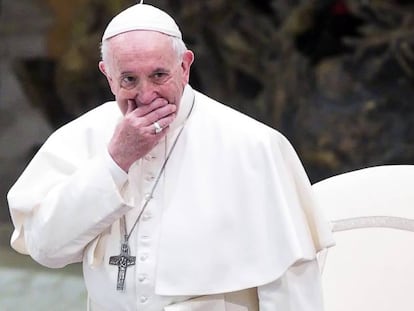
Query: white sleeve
x=298 y=289
x=57 y=207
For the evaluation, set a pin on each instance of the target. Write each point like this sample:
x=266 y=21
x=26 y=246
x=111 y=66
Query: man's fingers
x=143 y=110
x=164 y=123
x=131 y=106
x=164 y=112
x=143 y=117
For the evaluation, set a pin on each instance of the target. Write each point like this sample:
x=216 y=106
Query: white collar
x=184 y=108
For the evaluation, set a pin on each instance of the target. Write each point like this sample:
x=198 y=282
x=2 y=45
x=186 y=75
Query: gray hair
x=178 y=46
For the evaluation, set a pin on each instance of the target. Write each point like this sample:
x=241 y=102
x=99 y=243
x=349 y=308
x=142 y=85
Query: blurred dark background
x=336 y=77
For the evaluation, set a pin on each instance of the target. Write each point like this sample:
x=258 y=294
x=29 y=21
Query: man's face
x=142 y=66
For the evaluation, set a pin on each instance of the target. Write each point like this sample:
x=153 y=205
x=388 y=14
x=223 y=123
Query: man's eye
x=160 y=77
x=128 y=82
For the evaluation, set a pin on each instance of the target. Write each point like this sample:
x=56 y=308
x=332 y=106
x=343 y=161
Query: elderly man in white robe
x=170 y=199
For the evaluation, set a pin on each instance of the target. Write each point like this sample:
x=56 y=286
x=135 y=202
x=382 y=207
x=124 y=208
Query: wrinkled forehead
x=140 y=48
x=140 y=42
x=141 y=17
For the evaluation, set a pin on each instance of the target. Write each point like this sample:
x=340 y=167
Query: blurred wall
x=23 y=28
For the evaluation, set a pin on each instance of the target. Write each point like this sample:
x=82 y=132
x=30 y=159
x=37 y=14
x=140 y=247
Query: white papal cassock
x=233 y=210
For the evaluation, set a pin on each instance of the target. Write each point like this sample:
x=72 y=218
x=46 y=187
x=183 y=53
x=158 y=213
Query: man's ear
x=103 y=69
x=188 y=59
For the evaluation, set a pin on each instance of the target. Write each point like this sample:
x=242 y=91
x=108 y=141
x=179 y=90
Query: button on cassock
x=143 y=257
x=149 y=157
x=146 y=216
x=145 y=238
x=149 y=178
x=142 y=278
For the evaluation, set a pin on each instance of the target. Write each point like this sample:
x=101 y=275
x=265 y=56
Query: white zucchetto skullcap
x=142 y=17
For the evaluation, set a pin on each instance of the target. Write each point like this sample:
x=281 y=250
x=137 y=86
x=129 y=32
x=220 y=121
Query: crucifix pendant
x=123 y=261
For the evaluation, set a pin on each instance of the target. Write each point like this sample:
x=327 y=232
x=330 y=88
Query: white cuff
x=118 y=174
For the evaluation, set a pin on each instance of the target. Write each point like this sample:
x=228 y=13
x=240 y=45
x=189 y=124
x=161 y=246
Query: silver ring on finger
x=157 y=127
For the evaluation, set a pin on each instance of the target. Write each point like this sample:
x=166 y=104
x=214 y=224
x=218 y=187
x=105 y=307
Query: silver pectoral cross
x=123 y=261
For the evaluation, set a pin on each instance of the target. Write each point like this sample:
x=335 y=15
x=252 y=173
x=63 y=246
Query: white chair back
x=372 y=216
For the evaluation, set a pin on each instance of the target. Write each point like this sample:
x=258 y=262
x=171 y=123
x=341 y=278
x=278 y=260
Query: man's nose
x=145 y=92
